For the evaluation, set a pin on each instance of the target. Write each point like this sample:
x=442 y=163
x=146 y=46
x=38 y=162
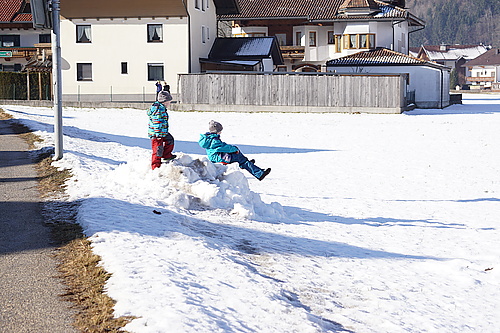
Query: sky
x=366 y=223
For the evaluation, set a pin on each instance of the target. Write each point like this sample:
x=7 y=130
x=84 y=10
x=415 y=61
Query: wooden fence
x=290 y=92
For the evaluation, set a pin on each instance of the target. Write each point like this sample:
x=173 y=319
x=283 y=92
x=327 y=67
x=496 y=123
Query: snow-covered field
x=367 y=223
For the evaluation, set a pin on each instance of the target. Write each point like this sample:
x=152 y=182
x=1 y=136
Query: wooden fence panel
x=333 y=93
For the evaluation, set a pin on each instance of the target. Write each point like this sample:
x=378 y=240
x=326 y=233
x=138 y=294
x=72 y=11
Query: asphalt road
x=29 y=289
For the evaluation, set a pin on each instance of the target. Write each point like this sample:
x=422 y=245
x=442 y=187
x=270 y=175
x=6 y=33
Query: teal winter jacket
x=215 y=147
x=158 y=120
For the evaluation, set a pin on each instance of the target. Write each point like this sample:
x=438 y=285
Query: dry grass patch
x=79 y=266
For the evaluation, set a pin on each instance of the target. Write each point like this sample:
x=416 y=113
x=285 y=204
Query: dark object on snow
x=156 y=212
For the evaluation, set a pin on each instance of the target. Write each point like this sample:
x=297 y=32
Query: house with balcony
x=453 y=56
x=20 y=43
x=311 y=32
x=116 y=51
x=485 y=71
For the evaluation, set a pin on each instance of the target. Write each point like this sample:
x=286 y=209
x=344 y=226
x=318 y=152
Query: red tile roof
x=9 y=9
x=359 y=4
x=490 y=58
x=378 y=57
x=314 y=10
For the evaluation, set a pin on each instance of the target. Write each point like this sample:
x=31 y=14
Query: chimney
x=443 y=47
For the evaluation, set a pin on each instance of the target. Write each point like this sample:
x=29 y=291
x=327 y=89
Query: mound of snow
x=217 y=186
x=184 y=183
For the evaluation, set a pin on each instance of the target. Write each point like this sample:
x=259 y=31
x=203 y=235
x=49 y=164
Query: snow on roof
x=454 y=52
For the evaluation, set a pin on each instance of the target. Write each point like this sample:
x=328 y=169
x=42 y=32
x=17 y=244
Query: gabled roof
x=245 y=48
x=358 y=4
x=14 y=11
x=490 y=58
x=452 y=52
x=224 y=7
x=380 y=57
x=318 y=10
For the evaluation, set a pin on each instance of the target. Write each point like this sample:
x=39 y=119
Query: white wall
x=428 y=82
x=116 y=41
x=202 y=19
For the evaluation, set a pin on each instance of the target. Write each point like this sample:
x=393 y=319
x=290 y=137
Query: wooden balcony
x=18 y=52
x=481 y=79
x=292 y=52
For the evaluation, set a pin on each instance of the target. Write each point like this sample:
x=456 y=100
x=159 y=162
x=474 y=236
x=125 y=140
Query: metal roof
x=245 y=48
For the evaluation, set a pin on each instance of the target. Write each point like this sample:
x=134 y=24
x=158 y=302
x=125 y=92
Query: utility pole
x=46 y=15
x=57 y=77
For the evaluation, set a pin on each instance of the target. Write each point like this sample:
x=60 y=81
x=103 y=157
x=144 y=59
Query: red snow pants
x=162 y=148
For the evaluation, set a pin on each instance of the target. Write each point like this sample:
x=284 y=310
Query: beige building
x=117 y=50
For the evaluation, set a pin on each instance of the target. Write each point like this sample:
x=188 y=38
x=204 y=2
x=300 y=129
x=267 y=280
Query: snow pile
x=184 y=183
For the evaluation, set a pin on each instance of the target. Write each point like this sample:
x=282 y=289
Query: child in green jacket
x=221 y=152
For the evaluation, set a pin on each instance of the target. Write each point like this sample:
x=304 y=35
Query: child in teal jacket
x=221 y=152
x=162 y=142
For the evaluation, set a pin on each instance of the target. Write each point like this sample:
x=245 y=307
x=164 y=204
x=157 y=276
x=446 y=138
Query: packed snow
x=367 y=222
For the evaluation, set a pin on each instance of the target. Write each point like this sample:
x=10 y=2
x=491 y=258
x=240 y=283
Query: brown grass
x=79 y=266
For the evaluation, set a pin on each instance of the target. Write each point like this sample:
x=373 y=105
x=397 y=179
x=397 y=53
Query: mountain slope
x=456 y=21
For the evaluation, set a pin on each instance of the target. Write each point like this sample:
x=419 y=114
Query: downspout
x=189 y=35
x=441 y=96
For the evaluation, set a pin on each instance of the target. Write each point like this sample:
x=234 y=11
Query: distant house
x=454 y=56
x=485 y=70
x=310 y=32
x=260 y=54
x=428 y=81
x=117 y=50
x=19 y=41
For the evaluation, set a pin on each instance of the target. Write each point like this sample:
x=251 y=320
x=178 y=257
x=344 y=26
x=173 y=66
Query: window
x=298 y=38
x=338 y=43
x=124 y=68
x=10 y=40
x=359 y=41
x=312 y=38
x=331 y=37
x=197 y=4
x=83 y=34
x=155 y=33
x=281 y=39
x=203 y=34
x=84 y=72
x=155 y=72
x=44 y=38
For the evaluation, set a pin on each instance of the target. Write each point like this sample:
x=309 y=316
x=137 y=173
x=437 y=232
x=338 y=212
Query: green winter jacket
x=215 y=147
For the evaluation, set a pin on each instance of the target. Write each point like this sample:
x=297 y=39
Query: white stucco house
x=311 y=32
x=428 y=83
x=117 y=50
